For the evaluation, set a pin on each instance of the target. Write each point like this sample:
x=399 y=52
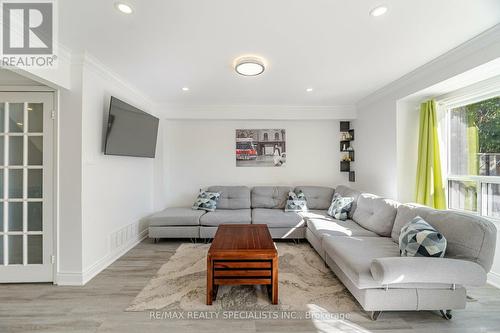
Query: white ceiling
x=333 y=46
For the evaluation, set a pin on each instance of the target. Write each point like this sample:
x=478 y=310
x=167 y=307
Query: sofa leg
x=446 y=314
x=374 y=315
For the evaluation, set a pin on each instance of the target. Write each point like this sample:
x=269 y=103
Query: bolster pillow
x=395 y=270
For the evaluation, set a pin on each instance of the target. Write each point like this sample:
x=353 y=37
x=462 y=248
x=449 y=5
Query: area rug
x=304 y=282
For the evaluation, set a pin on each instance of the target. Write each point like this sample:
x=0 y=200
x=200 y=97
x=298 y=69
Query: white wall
x=103 y=199
x=200 y=153
x=70 y=251
x=117 y=191
x=376 y=149
x=407 y=124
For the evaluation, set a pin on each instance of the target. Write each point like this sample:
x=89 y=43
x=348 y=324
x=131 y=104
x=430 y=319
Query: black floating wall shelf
x=346 y=138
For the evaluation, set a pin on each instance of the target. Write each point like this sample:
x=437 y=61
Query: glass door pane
x=1 y=249
x=15 y=249
x=16 y=117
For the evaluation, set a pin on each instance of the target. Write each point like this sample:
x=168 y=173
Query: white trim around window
x=469 y=95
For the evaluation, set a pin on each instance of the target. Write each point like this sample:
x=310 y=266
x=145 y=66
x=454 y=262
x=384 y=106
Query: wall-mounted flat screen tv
x=130 y=131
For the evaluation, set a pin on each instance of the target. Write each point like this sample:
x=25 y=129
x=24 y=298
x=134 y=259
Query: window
x=266 y=137
x=276 y=136
x=474 y=157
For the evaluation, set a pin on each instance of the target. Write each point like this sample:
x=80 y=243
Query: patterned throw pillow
x=206 y=201
x=296 y=202
x=419 y=239
x=340 y=207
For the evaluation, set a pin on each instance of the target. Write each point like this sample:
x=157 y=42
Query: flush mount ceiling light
x=309 y=89
x=249 y=66
x=123 y=7
x=185 y=88
x=378 y=11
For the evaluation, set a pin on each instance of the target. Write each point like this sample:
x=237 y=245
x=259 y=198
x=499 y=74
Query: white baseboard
x=100 y=265
x=81 y=278
x=69 y=279
x=494 y=279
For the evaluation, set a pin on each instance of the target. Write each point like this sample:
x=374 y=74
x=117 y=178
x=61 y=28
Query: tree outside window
x=474 y=154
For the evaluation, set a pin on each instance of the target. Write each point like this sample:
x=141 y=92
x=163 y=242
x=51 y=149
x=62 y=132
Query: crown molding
x=481 y=49
x=258 y=112
x=91 y=63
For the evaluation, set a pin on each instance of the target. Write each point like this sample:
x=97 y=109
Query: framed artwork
x=260 y=147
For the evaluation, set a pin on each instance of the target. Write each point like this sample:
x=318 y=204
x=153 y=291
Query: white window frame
x=469 y=95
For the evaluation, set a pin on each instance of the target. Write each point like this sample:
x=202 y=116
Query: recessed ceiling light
x=249 y=66
x=185 y=89
x=309 y=89
x=123 y=7
x=378 y=11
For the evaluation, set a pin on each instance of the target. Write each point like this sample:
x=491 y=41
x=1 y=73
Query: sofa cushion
x=232 y=197
x=316 y=213
x=349 y=192
x=277 y=218
x=317 y=197
x=270 y=196
x=176 y=217
x=226 y=216
x=468 y=237
x=375 y=213
x=322 y=225
x=354 y=256
x=427 y=270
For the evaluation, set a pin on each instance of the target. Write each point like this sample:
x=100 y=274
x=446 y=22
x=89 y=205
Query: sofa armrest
x=427 y=270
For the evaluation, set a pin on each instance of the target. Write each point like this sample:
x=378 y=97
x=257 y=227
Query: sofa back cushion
x=346 y=191
x=468 y=237
x=317 y=197
x=375 y=213
x=270 y=196
x=232 y=197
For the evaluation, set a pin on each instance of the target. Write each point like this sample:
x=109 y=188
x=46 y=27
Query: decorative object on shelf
x=346 y=138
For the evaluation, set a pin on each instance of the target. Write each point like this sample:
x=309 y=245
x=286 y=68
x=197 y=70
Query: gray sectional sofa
x=362 y=251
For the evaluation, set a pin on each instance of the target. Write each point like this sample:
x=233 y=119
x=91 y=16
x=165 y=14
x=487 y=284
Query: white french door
x=26 y=186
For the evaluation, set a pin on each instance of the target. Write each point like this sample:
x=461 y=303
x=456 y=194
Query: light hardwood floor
x=99 y=307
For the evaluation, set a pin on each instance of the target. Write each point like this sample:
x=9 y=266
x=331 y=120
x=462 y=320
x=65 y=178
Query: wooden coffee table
x=242 y=254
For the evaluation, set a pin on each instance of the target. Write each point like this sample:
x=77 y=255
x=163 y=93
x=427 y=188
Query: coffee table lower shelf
x=242 y=272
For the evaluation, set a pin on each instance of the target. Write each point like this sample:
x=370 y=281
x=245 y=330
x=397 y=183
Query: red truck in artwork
x=245 y=149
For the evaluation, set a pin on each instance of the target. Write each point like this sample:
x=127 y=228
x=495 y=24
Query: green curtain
x=429 y=187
